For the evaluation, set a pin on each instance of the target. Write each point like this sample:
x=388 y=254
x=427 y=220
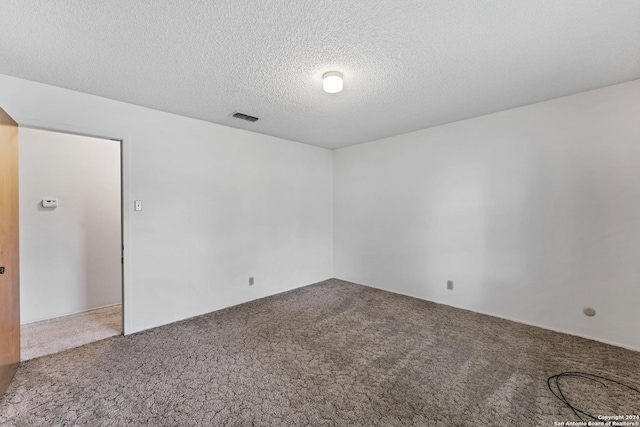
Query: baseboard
x=523 y=322
x=71 y=314
x=234 y=303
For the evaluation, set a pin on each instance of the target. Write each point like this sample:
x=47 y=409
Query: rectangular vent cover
x=245 y=117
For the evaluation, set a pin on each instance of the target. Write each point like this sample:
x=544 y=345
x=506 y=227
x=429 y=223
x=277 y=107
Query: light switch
x=138 y=205
x=50 y=203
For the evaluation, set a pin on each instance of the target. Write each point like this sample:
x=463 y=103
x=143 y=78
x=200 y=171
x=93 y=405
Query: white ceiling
x=408 y=64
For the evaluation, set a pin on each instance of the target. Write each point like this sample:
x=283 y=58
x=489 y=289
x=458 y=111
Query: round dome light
x=332 y=82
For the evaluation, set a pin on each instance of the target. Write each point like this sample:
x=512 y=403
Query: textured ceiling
x=408 y=64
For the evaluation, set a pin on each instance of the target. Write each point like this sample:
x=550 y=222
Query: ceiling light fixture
x=332 y=82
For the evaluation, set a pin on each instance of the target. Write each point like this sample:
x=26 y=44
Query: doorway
x=71 y=286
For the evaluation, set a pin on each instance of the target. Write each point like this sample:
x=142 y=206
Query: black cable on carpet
x=591 y=377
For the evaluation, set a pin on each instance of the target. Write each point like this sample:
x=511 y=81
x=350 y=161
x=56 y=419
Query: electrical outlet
x=450 y=285
x=250 y=281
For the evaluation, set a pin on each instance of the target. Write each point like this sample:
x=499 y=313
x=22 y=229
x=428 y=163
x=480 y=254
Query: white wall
x=534 y=213
x=70 y=255
x=220 y=204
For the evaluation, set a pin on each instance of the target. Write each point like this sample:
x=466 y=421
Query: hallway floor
x=62 y=333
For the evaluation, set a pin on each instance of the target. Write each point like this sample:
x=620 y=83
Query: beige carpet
x=332 y=353
x=63 y=333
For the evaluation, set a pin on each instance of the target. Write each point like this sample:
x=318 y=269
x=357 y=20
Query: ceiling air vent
x=245 y=117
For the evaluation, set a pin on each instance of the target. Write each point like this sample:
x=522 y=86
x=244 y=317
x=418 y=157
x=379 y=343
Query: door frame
x=124 y=194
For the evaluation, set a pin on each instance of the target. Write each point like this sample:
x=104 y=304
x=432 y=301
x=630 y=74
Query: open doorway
x=70 y=241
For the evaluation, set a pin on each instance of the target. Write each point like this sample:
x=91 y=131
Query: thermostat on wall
x=50 y=203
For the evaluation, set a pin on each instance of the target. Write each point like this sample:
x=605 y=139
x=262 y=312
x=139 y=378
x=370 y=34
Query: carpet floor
x=63 y=333
x=333 y=353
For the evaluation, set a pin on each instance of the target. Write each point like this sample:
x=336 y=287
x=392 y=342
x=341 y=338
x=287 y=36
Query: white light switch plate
x=138 y=205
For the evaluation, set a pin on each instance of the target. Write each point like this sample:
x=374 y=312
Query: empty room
x=278 y=213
